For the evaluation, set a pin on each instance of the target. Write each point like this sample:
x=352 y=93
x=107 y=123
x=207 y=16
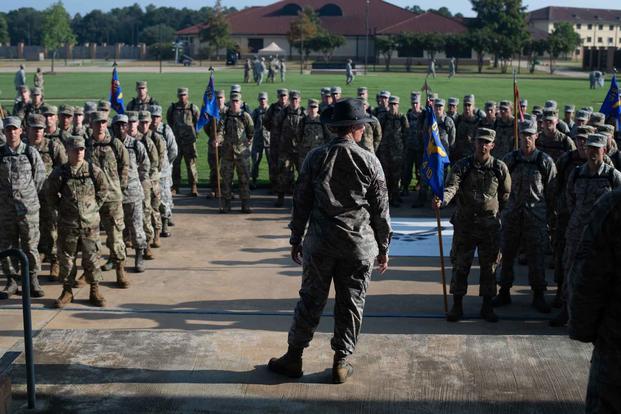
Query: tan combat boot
x=194 y=191
x=80 y=281
x=65 y=297
x=54 y=271
x=156 y=239
x=121 y=277
x=148 y=253
x=341 y=369
x=95 y=297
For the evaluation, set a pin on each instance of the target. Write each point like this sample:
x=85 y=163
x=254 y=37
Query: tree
x=301 y=30
x=479 y=40
x=4 y=29
x=442 y=11
x=56 y=29
x=216 y=34
x=415 y=9
x=533 y=49
x=325 y=43
x=562 y=40
x=433 y=42
x=159 y=33
x=386 y=46
x=24 y=25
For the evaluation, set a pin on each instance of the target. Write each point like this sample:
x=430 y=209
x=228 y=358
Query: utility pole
x=366 y=47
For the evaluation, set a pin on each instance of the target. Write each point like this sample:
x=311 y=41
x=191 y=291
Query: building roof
x=344 y=17
x=575 y=14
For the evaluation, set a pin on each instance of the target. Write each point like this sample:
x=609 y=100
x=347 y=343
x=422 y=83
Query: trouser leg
x=112 y=219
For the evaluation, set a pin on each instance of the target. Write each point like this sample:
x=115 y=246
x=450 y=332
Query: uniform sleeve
x=571 y=144
x=60 y=157
x=303 y=200
x=169 y=117
x=122 y=162
x=453 y=182
x=249 y=126
x=171 y=144
x=570 y=194
x=154 y=158
x=616 y=179
x=267 y=119
x=405 y=130
x=144 y=165
x=101 y=187
x=39 y=174
x=550 y=185
x=53 y=188
x=504 y=188
x=450 y=131
x=377 y=133
x=377 y=196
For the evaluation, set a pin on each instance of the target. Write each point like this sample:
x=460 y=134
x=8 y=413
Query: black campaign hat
x=345 y=113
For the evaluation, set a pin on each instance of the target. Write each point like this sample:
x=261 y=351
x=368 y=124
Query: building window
x=589 y=39
x=611 y=27
x=578 y=26
x=577 y=52
x=255 y=44
x=290 y=9
x=330 y=10
x=590 y=26
x=600 y=27
x=610 y=40
x=600 y=40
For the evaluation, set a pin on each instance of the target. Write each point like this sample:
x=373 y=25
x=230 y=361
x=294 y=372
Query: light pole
x=366 y=46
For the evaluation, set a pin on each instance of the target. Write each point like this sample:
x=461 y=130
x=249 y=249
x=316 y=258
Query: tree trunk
x=551 y=64
x=53 y=58
x=480 y=61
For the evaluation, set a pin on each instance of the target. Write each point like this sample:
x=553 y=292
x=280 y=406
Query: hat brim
x=326 y=118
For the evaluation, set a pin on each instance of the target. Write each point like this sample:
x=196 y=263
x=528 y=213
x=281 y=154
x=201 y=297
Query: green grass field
x=75 y=88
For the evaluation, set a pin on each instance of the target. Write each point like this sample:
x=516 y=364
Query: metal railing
x=30 y=372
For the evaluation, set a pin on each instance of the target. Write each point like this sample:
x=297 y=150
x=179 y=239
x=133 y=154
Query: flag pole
x=442 y=269
x=515 y=112
x=214 y=133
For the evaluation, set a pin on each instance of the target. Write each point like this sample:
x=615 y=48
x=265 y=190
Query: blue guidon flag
x=611 y=106
x=116 y=93
x=210 y=106
x=435 y=157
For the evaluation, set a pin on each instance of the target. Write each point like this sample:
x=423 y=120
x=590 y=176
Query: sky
x=456 y=6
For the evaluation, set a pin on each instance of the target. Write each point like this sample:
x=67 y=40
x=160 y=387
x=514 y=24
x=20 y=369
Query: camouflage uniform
x=414 y=154
x=182 y=119
x=151 y=186
x=391 y=150
x=526 y=217
x=595 y=302
x=78 y=192
x=165 y=133
x=138 y=105
x=465 y=130
x=372 y=135
x=211 y=150
x=505 y=137
x=289 y=122
x=237 y=131
x=22 y=175
x=312 y=134
x=481 y=190
x=134 y=194
x=351 y=192
x=271 y=123
x=260 y=142
x=556 y=145
x=111 y=157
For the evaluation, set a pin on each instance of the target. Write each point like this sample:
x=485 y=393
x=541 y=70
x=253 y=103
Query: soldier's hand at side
x=296 y=253
x=382 y=263
x=436 y=203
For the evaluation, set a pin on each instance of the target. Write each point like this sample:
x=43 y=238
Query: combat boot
x=139 y=262
x=290 y=364
x=109 y=265
x=457 y=311
x=561 y=319
x=194 y=190
x=341 y=369
x=54 y=271
x=95 y=298
x=80 y=281
x=10 y=288
x=65 y=297
x=35 y=288
x=245 y=208
x=174 y=189
x=121 y=278
x=165 y=232
x=148 y=254
x=280 y=201
x=226 y=207
x=539 y=302
x=156 y=240
x=487 y=310
x=503 y=298
x=170 y=222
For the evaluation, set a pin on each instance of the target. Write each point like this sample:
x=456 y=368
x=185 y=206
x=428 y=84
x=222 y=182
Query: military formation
x=72 y=176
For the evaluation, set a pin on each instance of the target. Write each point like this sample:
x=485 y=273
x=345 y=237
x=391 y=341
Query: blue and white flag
x=611 y=106
x=435 y=157
x=116 y=93
x=210 y=105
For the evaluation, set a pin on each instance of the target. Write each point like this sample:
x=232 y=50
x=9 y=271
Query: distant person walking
x=431 y=68
x=349 y=72
x=20 y=79
x=38 y=79
x=452 y=70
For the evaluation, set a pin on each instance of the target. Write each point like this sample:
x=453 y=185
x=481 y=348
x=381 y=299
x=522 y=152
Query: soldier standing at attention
x=313 y=132
x=336 y=93
x=595 y=302
x=414 y=152
x=341 y=195
x=466 y=126
x=22 y=175
x=392 y=147
x=182 y=117
x=142 y=101
x=65 y=121
x=451 y=110
x=261 y=139
x=53 y=155
x=372 y=131
x=78 y=190
x=505 y=133
x=446 y=126
x=569 y=116
x=270 y=122
x=481 y=184
x=552 y=141
x=212 y=143
x=490 y=115
x=527 y=215
x=326 y=99
x=19 y=109
x=35 y=106
x=237 y=132
x=110 y=156
x=289 y=122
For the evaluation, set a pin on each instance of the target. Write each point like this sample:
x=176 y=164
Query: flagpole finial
x=114 y=65
x=211 y=69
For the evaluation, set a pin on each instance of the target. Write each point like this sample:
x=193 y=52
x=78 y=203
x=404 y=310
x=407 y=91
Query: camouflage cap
x=23 y=88
x=182 y=91
x=36 y=121
x=49 y=110
x=582 y=115
x=537 y=110
x=75 y=142
x=469 y=99
x=434 y=96
x=78 y=110
x=36 y=91
x=312 y=103
x=438 y=102
x=144 y=116
x=597 y=118
x=415 y=98
x=12 y=121
x=528 y=127
x=490 y=104
x=362 y=90
x=235 y=88
x=103 y=106
x=606 y=129
x=584 y=131
x=90 y=107
x=486 y=134
x=529 y=116
x=550 y=103
x=597 y=140
x=294 y=94
x=282 y=92
x=65 y=110
x=523 y=102
x=220 y=93
x=99 y=116
x=236 y=96
x=120 y=118
x=589 y=109
x=504 y=104
x=132 y=116
x=453 y=101
x=570 y=108
x=394 y=99
x=335 y=89
x=550 y=115
x=141 y=84
x=324 y=91
x=384 y=94
x=262 y=95
x=155 y=110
